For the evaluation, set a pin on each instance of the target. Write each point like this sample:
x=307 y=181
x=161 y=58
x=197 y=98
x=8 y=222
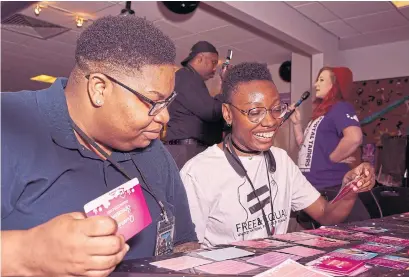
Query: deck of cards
x=126 y=204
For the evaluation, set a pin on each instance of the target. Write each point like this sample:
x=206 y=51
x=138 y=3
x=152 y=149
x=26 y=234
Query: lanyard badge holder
x=166 y=226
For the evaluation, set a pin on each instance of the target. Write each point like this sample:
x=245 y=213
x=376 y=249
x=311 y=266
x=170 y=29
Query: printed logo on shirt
x=307 y=148
x=254 y=220
x=353 y=117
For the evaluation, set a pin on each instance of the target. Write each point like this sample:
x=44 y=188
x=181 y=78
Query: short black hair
x=118 y=43
x=244 y=72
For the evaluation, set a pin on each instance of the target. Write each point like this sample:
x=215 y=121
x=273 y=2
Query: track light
x=127 y=11
x=37 y=10
x=79 y=21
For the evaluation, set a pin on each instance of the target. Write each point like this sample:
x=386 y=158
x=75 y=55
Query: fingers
x=106 y=262
x=103 y=246
x=100 y=273
x=96 y=226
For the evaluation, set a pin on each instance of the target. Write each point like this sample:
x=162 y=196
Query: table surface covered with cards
x=377 y=247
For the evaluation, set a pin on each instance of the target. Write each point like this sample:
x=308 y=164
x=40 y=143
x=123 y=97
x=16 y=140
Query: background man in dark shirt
x=196 y=119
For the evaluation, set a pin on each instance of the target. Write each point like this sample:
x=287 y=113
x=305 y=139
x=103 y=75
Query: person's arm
x=198 y=204
x=13 y=254
x=329 y=214
x=185 y=237
x=350 y=142
x=347 y=125
x=195 y=97
x=299 y=134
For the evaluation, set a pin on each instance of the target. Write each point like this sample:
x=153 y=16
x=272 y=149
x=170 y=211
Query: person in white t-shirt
x=227 y=206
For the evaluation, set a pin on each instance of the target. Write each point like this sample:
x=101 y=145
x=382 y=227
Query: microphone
x=304 y=96
x=228 y=58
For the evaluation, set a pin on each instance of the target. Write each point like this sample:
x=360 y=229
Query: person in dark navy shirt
x=196 y=120
x=117 y=96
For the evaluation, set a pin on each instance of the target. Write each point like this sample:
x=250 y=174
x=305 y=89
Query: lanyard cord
x=119 y=167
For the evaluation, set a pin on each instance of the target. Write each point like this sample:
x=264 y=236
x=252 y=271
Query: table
x=397 y=225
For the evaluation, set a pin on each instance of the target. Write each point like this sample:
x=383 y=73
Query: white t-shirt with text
x=223 y=206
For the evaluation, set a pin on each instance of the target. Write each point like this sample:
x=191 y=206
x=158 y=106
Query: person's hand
x=295 y=117
x=224 y=70
x=73 y=245
x=366 y=174
x=348 y=160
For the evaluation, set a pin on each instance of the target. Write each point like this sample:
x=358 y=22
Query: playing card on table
x=126 y=204
x=226 y=267
x=301 y=251
x=370 y=229
x=272 y=259
x=346 y=189
x=295 y=236
x=321 y=242
x=225 y=254
x=379 y=247
x=291 y=268
x=353 y=254
x=391 y=240
x=391 y=262
x=260 y=243
x=337 y=265
x=181 y=263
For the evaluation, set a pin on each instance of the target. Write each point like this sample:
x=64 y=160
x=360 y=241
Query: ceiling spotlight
x=37 y=10
x=181 y=7
x=79 y=21
x=127 y=11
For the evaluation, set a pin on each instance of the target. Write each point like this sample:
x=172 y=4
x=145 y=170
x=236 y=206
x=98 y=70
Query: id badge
x=164 y=236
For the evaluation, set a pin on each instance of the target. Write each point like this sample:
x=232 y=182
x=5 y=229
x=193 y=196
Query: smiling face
x=324 y=83
x=122 y=117
x=248 y=135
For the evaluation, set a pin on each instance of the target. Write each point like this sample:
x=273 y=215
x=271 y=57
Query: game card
x=301 y=251
x=295 y=236
x=394 y=262
x=370 y=229
x=225 y=254
x=181 y=263
x=321 y=242
x=126 y=204
x=337 y=265
x=391 y=240
x=272 y=259
x=346 y=189
x=353 y=254
x=290 y=268
x=379 y=247
x=226 y=267
x=260 y=243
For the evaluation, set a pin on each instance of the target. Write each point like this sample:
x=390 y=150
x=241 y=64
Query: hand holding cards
x=126 y=204
x=346 y=189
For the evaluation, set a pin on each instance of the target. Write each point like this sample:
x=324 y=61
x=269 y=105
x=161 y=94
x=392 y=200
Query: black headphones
x=236 y=164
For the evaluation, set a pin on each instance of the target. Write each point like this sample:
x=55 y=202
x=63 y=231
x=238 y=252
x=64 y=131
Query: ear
x=98 y=87
x=227 y=114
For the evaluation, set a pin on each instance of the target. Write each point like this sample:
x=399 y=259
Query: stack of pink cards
x=370 y=229
x=391 y=240
x=379 y=247
x=181 y=263
x=301 y=251
x=272 y=259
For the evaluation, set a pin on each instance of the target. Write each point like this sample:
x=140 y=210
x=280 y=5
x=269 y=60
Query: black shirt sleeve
x=195 y=97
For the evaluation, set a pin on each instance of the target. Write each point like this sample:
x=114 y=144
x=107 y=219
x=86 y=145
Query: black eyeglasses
x=256 y=115
x=156 y=106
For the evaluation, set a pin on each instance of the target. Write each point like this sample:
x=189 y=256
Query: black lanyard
x=119 y=167
x=231 y=153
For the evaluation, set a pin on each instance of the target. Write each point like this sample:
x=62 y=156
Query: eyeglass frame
x=247 y=112
x=153 y=104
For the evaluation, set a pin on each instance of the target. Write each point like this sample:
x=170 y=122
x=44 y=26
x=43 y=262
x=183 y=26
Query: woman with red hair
x=331 y=137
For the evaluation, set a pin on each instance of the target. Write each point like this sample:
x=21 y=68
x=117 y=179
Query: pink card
x=226 y=267
x=126 y=204
x=301 y=251
x=370 y=229
x=346 y=189
x=272 y=259
x=338 y=265
x=291 y=268
x=325 y=231
x=181 y=263
x=391 y=262
x=391 y=240
x=295 y=236
x=260 y=244
x=323 y=242
x=379 y=247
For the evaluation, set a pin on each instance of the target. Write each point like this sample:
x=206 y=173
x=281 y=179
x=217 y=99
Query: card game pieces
x=272 y=259
x=321 y=242
x=301 y=251
x=336 y=265
x=295 y=236
x=290 y=268
x=225 y=254
x=226 y=267
x=379 y=247
x=181 y=263
x=353 y=254
x=260 y=243
x=394 y=262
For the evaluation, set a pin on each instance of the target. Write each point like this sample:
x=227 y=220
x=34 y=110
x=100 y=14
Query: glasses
x=156 y=106
x=256 y=115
